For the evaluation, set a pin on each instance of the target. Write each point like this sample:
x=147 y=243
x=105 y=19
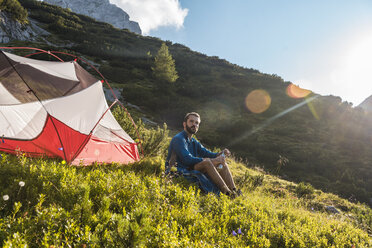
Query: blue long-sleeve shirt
x=189 y=151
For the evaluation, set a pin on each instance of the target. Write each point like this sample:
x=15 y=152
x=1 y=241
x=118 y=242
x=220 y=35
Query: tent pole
x=90 y=133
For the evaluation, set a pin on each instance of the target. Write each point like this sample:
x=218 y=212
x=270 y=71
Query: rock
x=13 y=30
x=109 y=96
x=148 y=121
x=101 y=10
x=332 y=209
x=134 y=106
x=366 y=104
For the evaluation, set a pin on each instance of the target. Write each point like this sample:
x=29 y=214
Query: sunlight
x=345 y=71
x=359 y=61
x=354 y=74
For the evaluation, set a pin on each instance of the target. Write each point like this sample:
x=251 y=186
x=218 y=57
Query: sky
x=321 y=45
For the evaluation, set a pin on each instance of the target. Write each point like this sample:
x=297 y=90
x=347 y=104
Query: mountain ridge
x=101 y=10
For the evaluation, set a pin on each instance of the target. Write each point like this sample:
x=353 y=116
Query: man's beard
x=190 y=130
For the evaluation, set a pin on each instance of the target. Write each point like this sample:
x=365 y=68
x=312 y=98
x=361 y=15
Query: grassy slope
x=135 y=205
x=327 y=142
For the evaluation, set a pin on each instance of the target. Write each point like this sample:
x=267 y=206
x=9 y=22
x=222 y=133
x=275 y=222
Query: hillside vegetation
x=16 y=10
x=322 y=140
x=46 y=203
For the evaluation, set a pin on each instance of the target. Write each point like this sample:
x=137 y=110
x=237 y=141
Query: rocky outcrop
x=10 y=29
x=101 y=10
x=366 y=104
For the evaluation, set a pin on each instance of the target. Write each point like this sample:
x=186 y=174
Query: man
x=189 y=154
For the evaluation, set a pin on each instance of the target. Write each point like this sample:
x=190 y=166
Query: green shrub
x=250 y=181
x=304 y=190
x=15 y=9
x=154 y=141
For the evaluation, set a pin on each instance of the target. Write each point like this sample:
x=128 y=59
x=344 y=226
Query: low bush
x=250 y=181
x=154 y=141
x=304 y=190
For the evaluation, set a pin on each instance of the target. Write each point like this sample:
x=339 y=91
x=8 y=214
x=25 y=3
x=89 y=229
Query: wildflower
x=21 y=184
x=234 y=233
x=63 y=162
x=240 y=231
x=5 y=197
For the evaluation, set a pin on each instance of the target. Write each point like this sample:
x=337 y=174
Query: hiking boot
x=230 y=194
x=237 y=192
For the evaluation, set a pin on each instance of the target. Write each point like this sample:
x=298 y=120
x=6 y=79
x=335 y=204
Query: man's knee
x=225 y=166
x=206 y=164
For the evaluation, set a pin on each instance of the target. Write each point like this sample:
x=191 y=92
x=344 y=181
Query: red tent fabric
x=57 y=109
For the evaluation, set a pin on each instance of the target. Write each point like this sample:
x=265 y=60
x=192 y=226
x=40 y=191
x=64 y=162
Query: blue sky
x=324 y=46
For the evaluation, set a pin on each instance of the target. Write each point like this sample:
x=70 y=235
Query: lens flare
x=312 y=109
x=270 y=120
x=258 y=101
x=295 y=91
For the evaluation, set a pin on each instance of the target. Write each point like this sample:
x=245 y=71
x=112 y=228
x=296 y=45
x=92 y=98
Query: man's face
x=192 y=124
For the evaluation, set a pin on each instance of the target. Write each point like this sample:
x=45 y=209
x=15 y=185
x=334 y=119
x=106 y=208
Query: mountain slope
x=325 y=141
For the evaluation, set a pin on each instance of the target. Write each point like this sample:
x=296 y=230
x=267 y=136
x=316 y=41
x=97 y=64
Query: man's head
x=191 y=122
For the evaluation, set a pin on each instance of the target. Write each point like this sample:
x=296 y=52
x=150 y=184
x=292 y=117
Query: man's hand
x=218 y=160
x=226 y=151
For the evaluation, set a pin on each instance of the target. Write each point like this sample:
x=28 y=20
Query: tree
x=164 y=68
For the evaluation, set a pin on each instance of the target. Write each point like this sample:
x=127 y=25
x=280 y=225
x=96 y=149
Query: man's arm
x=187 y=159
x=204 y=152
x=215 y=157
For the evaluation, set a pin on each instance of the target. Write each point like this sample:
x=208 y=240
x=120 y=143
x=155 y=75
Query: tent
x=58 y=109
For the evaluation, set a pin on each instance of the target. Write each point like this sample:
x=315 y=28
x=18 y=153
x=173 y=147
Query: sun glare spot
x=258 y=101
x=295 y=91
x=351 y=78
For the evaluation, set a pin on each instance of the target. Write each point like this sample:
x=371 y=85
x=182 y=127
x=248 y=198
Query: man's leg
x=227 y=177
x=207 y=167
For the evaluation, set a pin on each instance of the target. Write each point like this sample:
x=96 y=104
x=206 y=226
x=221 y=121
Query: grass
x=137 y=206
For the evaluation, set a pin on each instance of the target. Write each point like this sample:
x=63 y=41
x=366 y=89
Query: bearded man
x=189 y=155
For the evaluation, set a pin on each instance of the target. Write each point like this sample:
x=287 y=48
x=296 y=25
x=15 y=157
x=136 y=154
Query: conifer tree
x=164 y=68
